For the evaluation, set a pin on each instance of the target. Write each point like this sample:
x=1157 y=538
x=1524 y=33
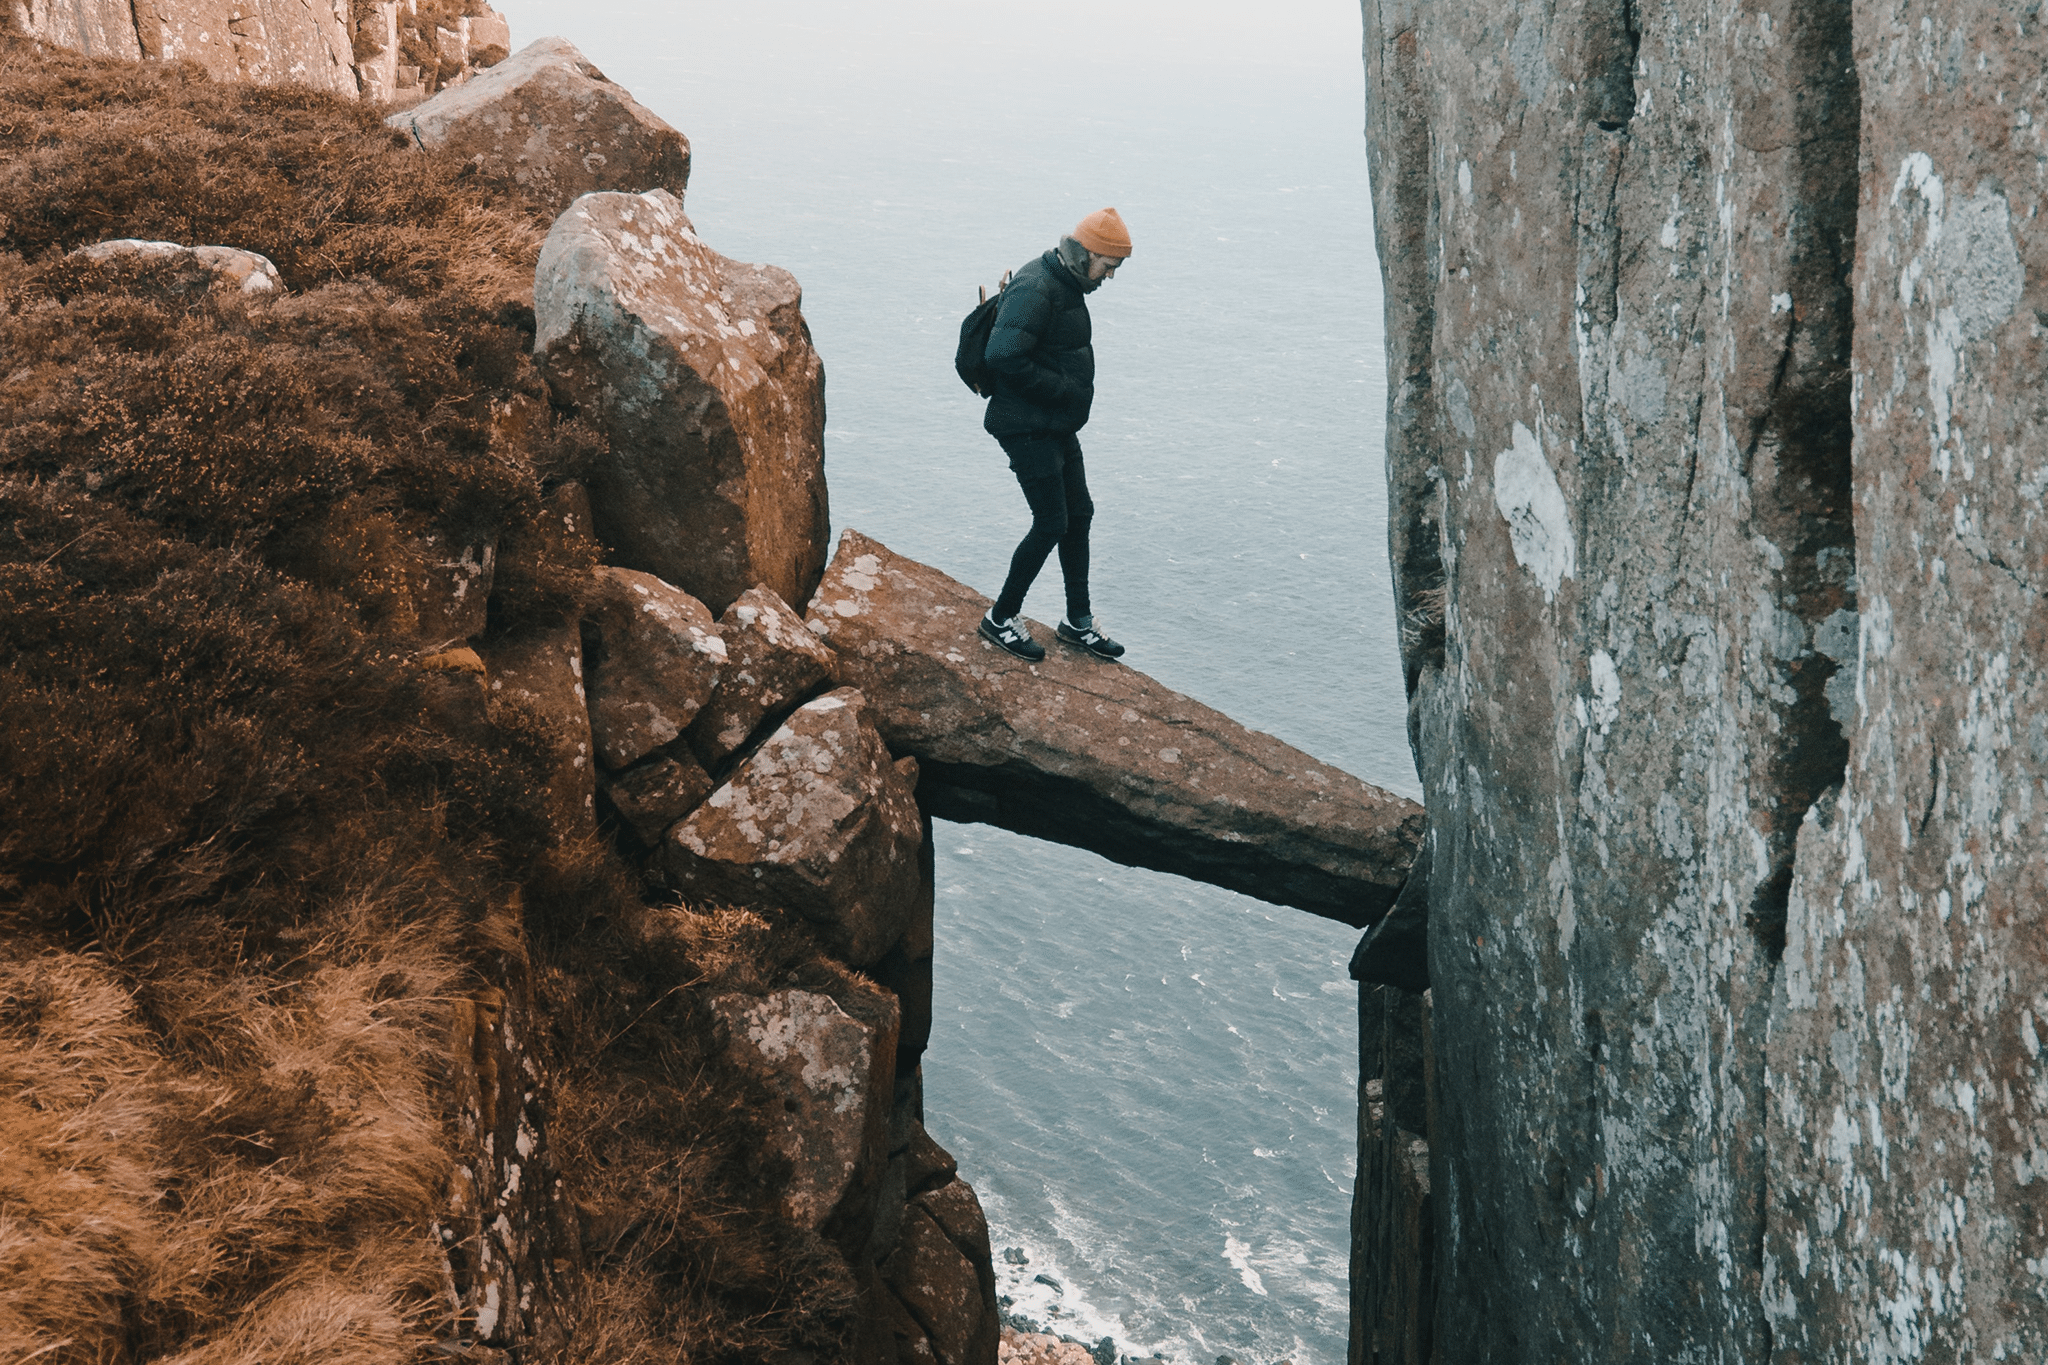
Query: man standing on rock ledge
x=1044 y=368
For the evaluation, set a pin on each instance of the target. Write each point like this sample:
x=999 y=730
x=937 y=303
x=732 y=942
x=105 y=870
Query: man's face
x=1102 y=267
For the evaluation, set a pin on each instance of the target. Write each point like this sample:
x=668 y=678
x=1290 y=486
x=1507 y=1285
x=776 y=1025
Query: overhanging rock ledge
x=1094 y=754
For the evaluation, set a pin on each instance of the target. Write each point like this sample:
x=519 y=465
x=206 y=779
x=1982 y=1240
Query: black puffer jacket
x=1040 y=354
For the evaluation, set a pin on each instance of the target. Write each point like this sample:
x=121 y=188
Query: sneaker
x=1011 y=636
x=1091 y=639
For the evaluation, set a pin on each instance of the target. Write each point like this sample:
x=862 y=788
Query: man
x=1044 y=372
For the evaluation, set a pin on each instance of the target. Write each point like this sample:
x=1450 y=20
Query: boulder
x=1095 y=754
x=817 y=821
x=820 y=1064
x=701 y=372
x=659 y=656
x=652 y=796
x=773 y=663
x=539 y=675
x=548 y=122
x=188 y=269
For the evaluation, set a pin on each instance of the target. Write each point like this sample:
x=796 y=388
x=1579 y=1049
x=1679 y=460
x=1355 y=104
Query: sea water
x=1152 y=1083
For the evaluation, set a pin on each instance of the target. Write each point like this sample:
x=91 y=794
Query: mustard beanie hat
x=1103 y=232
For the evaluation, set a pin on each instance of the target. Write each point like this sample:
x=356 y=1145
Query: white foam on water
x=1239 y=1256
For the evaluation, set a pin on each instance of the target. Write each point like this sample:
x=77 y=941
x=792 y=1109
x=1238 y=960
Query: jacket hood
x=1069 y=263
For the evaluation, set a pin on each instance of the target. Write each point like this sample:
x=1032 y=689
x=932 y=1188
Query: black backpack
x=971 y=360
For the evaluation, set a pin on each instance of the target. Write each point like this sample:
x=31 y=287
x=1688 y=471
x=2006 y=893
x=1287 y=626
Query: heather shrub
x=250 y=851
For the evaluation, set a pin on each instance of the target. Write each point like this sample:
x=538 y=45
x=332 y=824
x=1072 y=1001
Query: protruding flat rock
x=1085 y=752
x=702 y=373
x=548 y=122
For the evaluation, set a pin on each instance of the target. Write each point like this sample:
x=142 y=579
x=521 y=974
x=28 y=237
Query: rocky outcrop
x=1095 y=754
x=1719 y=562
x=818 y=821
x=701 y=371
x=352 y=48
x=1906 y=1139
x=548 y=122
x=98 y=28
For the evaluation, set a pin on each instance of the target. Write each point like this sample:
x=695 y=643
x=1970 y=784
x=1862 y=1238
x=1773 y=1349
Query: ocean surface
x=1151 y=1082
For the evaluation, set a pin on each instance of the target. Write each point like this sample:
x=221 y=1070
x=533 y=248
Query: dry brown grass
x=244 y=868
x=249 y=1188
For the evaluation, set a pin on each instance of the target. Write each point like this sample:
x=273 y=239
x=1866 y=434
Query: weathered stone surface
x=774 y=661
x=480 y=40
x=957 y=1211
x=954 y=1207
x=652 y=796
x=817 y=821
x=540 y=675
x=1095 y=754
x=191 y=268
x=450 y=583
x=819 y=1062
x=1660 y=613
x=660 y=657
x=507 y=1240
x=98 y=28
x=1395 y=952
x=276 y=42
x=940 y=1287
x=913 y=1345
x=1393 y=1234
x=927 y=1165
x=549 y=122
x=1907 y=1142
x=701 y=371
x=263 y=42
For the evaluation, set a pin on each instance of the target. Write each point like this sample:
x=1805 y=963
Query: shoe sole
x=1085 y=649
x=1013 y=653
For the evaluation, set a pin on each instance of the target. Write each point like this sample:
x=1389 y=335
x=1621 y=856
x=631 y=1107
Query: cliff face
x=380 y=50
x=453 y=897
x=1716 y=495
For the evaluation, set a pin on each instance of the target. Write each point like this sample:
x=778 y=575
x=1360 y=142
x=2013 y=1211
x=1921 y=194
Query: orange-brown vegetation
x=246 y=867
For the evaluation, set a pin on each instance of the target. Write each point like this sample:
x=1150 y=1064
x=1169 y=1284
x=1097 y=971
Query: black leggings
x=1061 y=511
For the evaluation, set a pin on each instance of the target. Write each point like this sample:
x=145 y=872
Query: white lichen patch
x=1526 y=493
